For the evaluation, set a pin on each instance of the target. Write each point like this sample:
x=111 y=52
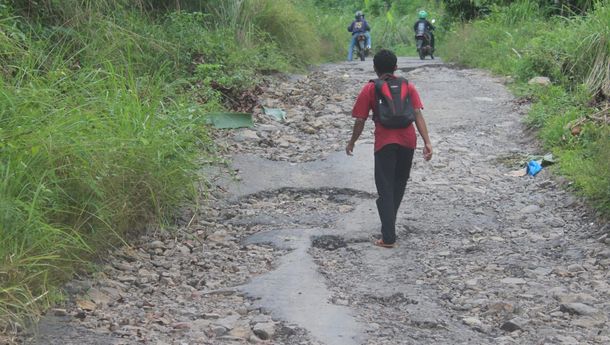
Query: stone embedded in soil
x=229 y=321
x=604 y=253
x=218 y=330
x=472 y=322
x=513 y=281
x=246 y=135
x=59 y=312
x=241 y=332
x=265 y=330
x=530 y=209
x=543 y=81
x=578 y=297
x=589 y=322
x=514 y=324
x=211 y=316
x=578 y=309
x=156 y=245
x=86 y=305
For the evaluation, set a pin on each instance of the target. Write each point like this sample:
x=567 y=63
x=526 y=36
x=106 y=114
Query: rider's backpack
x=394 y=108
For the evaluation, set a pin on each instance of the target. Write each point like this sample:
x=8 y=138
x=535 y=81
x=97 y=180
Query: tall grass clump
x=87 y=158
x=288 y=27
x=297 y=28
x=572 y=51
x=91 y=150
x=496 y=42
x=332 y=32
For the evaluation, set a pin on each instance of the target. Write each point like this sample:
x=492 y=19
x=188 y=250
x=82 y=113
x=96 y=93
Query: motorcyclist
x=358 y=26
x=424 y=26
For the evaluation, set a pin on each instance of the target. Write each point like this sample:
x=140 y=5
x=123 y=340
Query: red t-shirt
x=366 y=102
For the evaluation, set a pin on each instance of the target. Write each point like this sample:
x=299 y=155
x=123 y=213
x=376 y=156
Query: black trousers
x=392 y=170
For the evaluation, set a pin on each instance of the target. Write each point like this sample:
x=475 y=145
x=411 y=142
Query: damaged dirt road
x=281 y=253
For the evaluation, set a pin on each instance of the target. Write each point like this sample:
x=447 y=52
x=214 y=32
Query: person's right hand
x=428 y=152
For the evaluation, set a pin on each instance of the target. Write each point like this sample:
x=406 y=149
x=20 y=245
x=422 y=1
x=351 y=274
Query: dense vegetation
x=103 y=103
x=530 y=38
x=102 y=107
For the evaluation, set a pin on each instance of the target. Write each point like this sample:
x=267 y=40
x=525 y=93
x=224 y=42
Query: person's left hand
x=349 y=149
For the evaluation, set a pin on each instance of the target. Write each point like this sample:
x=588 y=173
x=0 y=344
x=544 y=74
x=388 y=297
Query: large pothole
x=328 y=242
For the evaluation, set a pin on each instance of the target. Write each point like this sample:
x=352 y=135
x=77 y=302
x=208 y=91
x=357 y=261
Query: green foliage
x=588 y=165
x=333 y=34
x=521 y=12
x=101 y=121
x=348 y=5
x=101 y=116
x=296 y=28
x=87 y=156
x=574 y=52
x=287 y=26
x=569 y=51
x=466 y=10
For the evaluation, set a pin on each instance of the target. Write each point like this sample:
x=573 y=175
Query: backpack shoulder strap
x=378 y=95
x=405 y=80
x=378 y=85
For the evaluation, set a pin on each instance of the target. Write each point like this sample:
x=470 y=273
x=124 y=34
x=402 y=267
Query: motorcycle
x=423 y=41
x=360 y=47
x=424 y=46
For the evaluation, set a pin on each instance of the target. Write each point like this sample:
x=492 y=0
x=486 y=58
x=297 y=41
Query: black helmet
x=359 y=14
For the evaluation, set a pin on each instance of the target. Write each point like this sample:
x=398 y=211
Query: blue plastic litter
x=533 y=167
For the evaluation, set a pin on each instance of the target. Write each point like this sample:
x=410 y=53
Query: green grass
x=523 y=40
x=102 y=109
x=83 y=165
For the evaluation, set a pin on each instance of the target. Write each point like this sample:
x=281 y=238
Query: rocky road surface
x=281 y=251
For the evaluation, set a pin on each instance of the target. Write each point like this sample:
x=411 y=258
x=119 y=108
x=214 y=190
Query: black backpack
x=394 y=108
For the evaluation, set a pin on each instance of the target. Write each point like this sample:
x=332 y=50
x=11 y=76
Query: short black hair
x=384 y=61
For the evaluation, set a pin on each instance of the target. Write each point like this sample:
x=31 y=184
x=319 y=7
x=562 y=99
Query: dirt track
x=283 y=251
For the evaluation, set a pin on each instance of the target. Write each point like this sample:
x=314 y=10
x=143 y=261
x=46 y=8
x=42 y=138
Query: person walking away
x=394 y=147
x=422 y=26
x=358 y=26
